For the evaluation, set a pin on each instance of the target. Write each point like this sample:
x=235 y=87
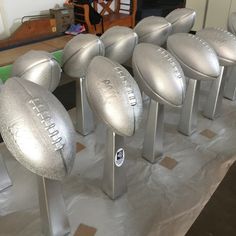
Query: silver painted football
x=181 y=19
x=114 y=95
x=79 y=52
x=223 y=42
x=153 y=29
x=39 y=67
x=36 y=129
x=232 y=23
x=119 y=42
x=161 y=76
x=196 y=57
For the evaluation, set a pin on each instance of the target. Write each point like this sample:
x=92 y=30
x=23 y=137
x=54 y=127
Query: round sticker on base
x=120 y=157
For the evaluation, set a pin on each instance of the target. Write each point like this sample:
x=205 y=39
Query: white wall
x=11 y=12
x=1 y=26
x=217 y=12
x=199 y=6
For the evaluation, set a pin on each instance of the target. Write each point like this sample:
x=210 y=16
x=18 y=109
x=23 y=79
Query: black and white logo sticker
x=120 y=157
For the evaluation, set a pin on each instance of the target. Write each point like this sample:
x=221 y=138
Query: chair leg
x=188 y=117
x=84 y=114
x=214 y=101
x=153 y=138
x=114 y=178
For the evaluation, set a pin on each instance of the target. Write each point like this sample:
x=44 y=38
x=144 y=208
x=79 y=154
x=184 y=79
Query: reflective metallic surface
x=223 y=42
x=182 y=20
x=230 y=86
x=79 y=52
x=158 y=74
x=84 y=115
x=199 y=62
x=213 y=105
x=52 y=208
x=146 y=209
x=197 y=59
x=39 y=67
x=153 y=29
x=76 y=57
x=153 y=137
x=5 y=180
x=232 y=23
x=114 y=177
x=119 y=42
x=114 y=95
x=36 y=129
x=189 y=112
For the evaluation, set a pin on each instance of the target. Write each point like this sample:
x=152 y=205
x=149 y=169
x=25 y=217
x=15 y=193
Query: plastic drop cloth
x=159 y=202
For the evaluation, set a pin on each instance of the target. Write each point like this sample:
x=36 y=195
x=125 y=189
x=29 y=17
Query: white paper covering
x=159 y=202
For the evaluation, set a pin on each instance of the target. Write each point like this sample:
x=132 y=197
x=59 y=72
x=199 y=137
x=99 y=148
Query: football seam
x=120 y=39
x=155 y=30
x=150 y=89
x=94 y=107
x=31 y=66
x=181 y=18
x=80 y=49
x=218 y=52
x=189 y=67
x=29 y=93
x=100 y=116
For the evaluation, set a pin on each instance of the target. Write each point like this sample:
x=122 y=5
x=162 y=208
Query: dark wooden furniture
x=123 y=14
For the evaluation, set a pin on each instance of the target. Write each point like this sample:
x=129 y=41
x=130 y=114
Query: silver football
x=114 y=95
x=39 y=67
x=181 y=19
x=153 y=29
x=119 y=42
x=37 y=129
x=232 y=23
x=158 y=74
x=79 y=52
x=223 y=42
x=196 y=57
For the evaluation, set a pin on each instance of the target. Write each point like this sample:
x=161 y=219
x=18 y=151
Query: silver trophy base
x=230 y=86
x=153 y=138
x=52 y=208
x=114 y=182
x=188 y=116
x=84 y=114
x=5 y=181
x=213 y=105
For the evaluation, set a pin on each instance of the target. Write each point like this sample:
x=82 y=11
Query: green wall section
x=5 y=71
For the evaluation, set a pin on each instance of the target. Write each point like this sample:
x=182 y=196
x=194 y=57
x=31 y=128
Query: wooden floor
x=9 y=56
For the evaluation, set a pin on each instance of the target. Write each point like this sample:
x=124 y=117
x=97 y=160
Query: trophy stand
x=84 y=115
x=153 y=138
x=230 y=86
x=5 y=181
x=214 y=101
x=114 y=177
x=188 y=116
x=52 y=208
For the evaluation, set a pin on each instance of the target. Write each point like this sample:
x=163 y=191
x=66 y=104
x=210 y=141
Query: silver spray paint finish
x=37 y=129
x=119 y=42
x=39 y=67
